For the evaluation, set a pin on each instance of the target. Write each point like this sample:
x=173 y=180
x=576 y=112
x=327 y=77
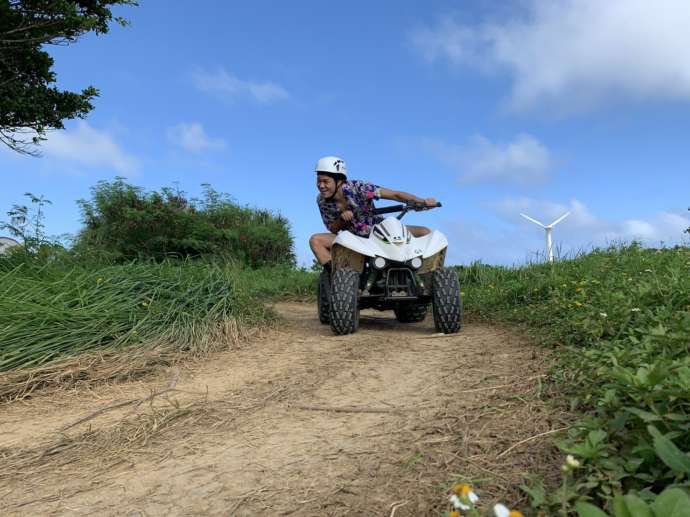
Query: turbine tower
x=548 y=228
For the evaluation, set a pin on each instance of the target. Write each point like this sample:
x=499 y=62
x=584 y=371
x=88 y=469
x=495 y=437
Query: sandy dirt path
x=297 y=422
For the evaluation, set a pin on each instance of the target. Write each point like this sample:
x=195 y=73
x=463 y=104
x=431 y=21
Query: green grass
x=619 y=319
x=53 y=310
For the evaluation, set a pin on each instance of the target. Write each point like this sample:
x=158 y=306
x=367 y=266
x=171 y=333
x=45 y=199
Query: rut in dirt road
x=299 y=422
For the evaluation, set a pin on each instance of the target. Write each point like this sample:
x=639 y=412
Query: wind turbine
x=548 y=228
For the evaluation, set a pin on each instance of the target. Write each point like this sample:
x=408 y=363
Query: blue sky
x=534 y=106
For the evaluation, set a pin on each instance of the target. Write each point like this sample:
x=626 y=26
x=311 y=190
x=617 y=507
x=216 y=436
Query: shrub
x=124 y=222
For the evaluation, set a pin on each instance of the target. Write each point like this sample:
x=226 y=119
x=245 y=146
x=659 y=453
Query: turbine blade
x=533 y=220
x=560 y=219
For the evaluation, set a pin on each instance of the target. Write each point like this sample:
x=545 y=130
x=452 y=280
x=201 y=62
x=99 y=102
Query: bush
x=124 y=222
x=620 y=319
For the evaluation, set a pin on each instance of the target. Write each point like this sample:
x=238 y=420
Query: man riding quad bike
x=375 y=262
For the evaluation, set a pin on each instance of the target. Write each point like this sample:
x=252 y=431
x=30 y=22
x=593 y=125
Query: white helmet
x=331 y=165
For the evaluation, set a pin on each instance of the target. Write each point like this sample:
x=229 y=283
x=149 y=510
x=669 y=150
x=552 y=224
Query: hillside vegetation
x=148 y=270
x=125 y=222
x=619 y=319
x=52 y=310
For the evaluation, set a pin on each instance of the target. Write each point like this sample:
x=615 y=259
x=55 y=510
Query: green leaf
x=672 y=502
x=658 y=373
x=589 y=510
x=644 y=415
x=636 y=506
x=683 y=376
x=536 y=493
x=620 y=509
x=668 y=452
x=594 y=438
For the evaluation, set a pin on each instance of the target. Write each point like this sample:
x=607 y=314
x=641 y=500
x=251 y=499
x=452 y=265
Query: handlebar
x=416 y=207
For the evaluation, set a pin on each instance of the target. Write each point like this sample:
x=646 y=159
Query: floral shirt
x=360 y=197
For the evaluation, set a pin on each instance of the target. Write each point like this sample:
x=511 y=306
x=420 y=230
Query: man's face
x=326 y=185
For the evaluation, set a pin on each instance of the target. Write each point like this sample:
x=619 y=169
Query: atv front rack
x=400 y=285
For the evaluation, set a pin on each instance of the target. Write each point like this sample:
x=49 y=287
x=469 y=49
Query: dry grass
x=467 y=440
x=492 y=440
x=109 y=445
x=134 y=362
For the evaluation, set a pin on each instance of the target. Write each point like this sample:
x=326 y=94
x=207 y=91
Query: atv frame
x=356 y=283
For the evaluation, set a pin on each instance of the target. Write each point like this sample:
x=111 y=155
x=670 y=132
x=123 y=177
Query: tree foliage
x=125 y=222
x=30 y=103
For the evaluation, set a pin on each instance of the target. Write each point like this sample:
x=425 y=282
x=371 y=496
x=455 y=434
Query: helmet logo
x=336 y=164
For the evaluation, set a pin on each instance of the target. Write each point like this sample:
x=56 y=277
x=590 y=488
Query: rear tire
x=447 y=301
x=411 y=312
x=323 y=297
x=344 y=307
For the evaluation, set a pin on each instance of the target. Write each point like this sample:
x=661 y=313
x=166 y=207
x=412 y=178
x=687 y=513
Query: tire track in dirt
x=299 y=422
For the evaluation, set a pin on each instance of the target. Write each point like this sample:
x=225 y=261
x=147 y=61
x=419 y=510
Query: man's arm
x=337 y=225
x=405 y=197
x=341 y=222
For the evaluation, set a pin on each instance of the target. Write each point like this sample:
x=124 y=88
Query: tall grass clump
x=50 y=310
x=619 y=319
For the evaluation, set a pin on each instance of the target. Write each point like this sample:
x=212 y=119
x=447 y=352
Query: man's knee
x=319 y=240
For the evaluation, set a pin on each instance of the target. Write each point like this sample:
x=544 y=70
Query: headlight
x=379 y=262
x=416 y=263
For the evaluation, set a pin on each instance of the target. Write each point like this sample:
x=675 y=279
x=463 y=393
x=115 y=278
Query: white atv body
x=390 y=269
x=391 y=240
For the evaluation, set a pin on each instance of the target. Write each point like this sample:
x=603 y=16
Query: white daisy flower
x=457 y=503
x=501 y=510
x=571 y=461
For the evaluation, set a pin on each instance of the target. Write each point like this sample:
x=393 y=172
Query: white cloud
x=513 y=240
x=583 y=229
x=546 y=212
x=86 y=145
x=193 y=138
x=525 y=160
x=228 y=87
x=449 y=40
x=571 y=55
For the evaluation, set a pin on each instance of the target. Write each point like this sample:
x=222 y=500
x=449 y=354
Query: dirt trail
x=299 y=422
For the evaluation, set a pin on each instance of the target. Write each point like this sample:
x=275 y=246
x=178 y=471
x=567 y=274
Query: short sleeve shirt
x=360 y=196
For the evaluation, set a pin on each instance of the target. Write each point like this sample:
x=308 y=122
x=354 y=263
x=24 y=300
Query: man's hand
x=430 y=201
x=347 y=215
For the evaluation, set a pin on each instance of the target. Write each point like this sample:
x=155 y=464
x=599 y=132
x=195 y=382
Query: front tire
x=447 y=301
x=411 y=312
x=344 y=307
x=323 y=297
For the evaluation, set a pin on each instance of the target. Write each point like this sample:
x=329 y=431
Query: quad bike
x=390 y=269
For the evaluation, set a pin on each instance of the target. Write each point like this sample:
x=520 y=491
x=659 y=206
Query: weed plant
x=620 y=319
